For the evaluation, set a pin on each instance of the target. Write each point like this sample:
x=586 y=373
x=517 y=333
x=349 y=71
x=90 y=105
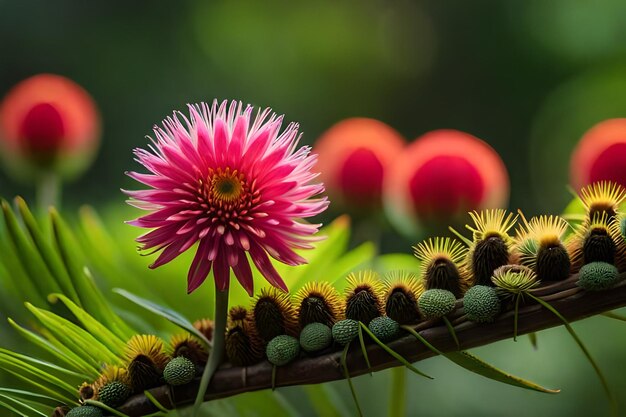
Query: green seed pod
x=345 y=331
x=436 y=303
x=85 y=411
x=596 y=276
x=179 y=371
x=282 y=349
x=114 y=393
x=481 y=304
x=385 y=328
x=315 y=336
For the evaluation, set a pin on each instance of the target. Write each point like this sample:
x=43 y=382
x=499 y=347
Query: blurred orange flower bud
x=600 y=155
x=354 y=156
x=440 y=177
x=48 y=123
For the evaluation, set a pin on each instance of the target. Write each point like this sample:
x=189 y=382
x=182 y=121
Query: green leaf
x=614 y=316
x=348 y=262
x=90 y=296
x=164 y=312
x=38 y=377
x=33 y=396
x=13 y=409
x=605 y=384
x=104 y=335
x=393 y=353
x=77 y=339
x=48 y=254
x=474 y=364
x=105 y=407
x=323 y=255
x=29 y=409
x=154 y=401
x=59 y=371
x=478 y=366
x=364 y=351
x=346 y=373
x=452 y=331
x=58 y=350
x=29 y=257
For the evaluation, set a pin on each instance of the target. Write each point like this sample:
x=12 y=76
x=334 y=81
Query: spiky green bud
x=622 y=227
x=85 y=411
x=436 y=303
x=179 y=371
x=345 y=331
x=114 y=393
x=481 y=304
x=315 y=336
x=384 y=328
x=596 y=276
x=282 y=349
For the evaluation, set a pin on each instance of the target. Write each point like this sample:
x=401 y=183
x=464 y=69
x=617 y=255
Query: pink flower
x=233 y=187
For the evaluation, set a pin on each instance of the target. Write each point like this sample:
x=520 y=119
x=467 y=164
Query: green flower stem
x=516 y=316
x=346 y=374
x=364 y=350
x=105 y=407
x=217 y=352
x=397 y=403
x=452 y=332
x=48 y=192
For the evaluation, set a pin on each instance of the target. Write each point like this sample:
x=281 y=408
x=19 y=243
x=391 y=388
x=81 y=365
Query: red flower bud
x=442 y=175
x=354 y=156
x=49 y=123
x=600 y=155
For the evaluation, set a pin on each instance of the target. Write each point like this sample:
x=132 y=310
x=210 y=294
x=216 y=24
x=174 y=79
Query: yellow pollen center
x=226 y=186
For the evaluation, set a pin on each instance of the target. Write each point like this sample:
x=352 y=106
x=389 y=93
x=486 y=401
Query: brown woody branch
x=572 y=302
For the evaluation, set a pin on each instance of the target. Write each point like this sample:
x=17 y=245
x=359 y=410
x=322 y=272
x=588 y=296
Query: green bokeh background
x=527 y=77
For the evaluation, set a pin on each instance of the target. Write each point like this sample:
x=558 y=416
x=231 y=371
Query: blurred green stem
x=217 y=352
x=48 y=192
x=397 y=403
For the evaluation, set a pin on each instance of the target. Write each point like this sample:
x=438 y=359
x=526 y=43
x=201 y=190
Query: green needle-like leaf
x=28 y=255
x=57 y=350
x=614 y=316
x=452 y=332
x=105 y=407
x=393 y=353
x=364 y=350
x=31 y=411
x=48 y=254
x=78 y=339
x=155 y=402
x=516 y=316
x=104 y=335
x=91 y=299
x=478 y=366
x=346 y=373
x=164 y=312
x=605 y=384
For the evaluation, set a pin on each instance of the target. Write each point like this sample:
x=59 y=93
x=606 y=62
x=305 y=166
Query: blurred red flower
x=354 y=156
x=600 y=155
x=441 y=176
x=48 y=122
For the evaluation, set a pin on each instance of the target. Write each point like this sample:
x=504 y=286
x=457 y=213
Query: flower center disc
x=226 y=186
